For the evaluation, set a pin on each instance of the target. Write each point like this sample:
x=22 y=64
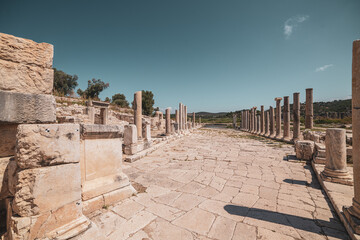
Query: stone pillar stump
x=335 y=166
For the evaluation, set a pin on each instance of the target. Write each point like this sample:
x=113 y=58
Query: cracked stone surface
x=222 y=184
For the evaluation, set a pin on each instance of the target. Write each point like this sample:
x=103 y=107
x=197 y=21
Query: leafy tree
x=95 y=86
x=107 y=99
x=147 y=102
x=64 y=83
x=120 y=100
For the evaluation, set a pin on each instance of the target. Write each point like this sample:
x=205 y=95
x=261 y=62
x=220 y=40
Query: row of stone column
x=269 y=123
x=181 y=121
x=180 y=117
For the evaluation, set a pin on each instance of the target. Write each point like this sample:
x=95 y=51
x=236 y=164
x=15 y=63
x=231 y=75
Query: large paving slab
x=221 y=184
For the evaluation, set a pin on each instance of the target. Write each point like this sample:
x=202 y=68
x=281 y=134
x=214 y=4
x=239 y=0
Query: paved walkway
x=221 y=184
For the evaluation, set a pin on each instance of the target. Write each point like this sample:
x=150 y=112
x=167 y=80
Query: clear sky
x=212 y=55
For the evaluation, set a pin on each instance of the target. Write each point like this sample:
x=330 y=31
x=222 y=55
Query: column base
x=337 y=176
x=319 y=160
x=353 y=220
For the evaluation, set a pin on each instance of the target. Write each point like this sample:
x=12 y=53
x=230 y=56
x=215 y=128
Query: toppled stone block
x=17 y=77
x=7 y=139
x=41 y=190
x=27 y=108
x=317 y=137
x=26 y=51
x=305 y=149
x=47 y=144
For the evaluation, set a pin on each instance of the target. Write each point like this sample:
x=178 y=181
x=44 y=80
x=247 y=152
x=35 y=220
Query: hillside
x=334 y=109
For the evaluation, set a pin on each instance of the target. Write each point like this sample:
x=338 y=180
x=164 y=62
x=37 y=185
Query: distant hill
x=321 y=109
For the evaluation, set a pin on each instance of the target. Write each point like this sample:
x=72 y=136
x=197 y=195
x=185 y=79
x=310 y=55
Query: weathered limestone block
x=27 y=108
x=62 y=223
x=7 y=139
x=41 y=190
x=47 y=144
x=17 y=77
x=26 y=51
x=304 y=149
x=101 y=166
x=130 y=134
x=320 y=153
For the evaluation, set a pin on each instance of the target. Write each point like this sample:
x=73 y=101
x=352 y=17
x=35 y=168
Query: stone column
x=296 y=114
x=272 y=122
x=248 y=120
x=234 y=120
x=335 y=166
x=267 y=119
x=245 y=120
x=254 y=121
x=185 y=118
x=176 y=120
x=138 y=113
x=258 y=123
x=278 y=117
x=168 y=121
x=353 y=213
x=309 y=110
x=251 y=120
x=262 y=121
x=286 y=135
x=193 y=123
x=180 y=117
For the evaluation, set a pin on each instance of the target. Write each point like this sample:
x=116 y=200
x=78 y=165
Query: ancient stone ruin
x=63 y=161
x=56 y=169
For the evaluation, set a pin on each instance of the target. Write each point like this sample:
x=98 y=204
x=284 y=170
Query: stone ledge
x=141 y=154
x=89 y=131
x=339 y=199
x=27 y=108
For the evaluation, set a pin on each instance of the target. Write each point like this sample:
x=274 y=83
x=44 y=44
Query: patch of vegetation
x=64 y=84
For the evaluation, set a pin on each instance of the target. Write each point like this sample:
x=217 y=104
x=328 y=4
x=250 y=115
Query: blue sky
x=212 y=55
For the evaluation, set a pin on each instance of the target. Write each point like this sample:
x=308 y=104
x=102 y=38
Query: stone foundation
x=102 y=179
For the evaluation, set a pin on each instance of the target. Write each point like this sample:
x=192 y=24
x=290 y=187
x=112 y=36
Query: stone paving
x=221 y=184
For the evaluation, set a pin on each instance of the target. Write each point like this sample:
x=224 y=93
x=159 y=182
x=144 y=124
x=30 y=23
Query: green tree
x=95 y=87
x=64 y=83
x=147 y=102
x=107 y=99
x=120 y=100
